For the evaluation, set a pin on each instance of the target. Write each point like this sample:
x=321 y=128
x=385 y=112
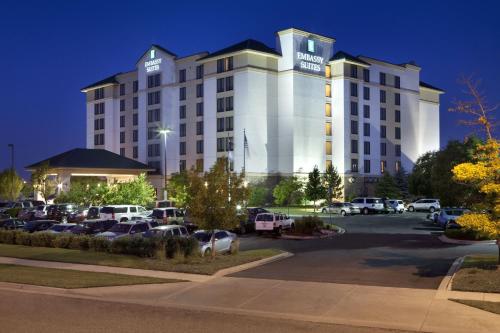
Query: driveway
x=380 y=250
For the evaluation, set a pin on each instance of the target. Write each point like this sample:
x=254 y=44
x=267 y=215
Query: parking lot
x=382 y=250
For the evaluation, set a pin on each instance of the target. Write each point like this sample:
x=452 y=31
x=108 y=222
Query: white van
x=369 y=205
x=273 y=222
x=122 y=213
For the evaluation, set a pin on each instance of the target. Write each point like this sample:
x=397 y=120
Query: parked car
x=124 y=229
x=78 y=215
x=369 y=205
x=396 y=206
x=164 y=204
x=63 y=212
x=248 y=225
x=123 y=213
x=93 y=227
x=94 y=213
x=60 y=227
x=51 y=212
x=168 y=215
x=342 y=208
x=447 y=217
x=39 y=225
x=273 y=222
x=26 y=214
x=41 y=212
x=430 y=205
x=225 y=241
x=163 y=231
x=11 y=224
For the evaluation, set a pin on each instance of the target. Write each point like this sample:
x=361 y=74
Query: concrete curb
x=339 y=231
x=252 y=264
x=448 y=240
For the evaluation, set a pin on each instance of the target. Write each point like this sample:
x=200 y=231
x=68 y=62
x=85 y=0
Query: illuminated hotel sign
x=311 y=54
x=153 y=64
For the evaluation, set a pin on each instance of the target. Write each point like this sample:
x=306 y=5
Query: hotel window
x=182 y=148
x=354 y=127
x=354 y=146
x=354 y=89
x=383 y=114
x=98 y=139
x=366 y=129
x=328 y=90
x=397 y=82
x=182 y=112
x=135 y=152
x=122 y=105
x=99 y=124
x=328 y=110
x=328 y=71
x=328 y=129
x=135 y=135
x=122 y=121
x=366 y=93
x=182 y=130
x=199 y=165
x=199 y=90
x=397 y=134
x=328 y=147
x=122 y=89
x=135 y=103
x=199 y=128
x=154 y=80
x=220 y=144
x=96 y=124
x=397 y=98
x=383 y=166
x=154 y=98
x=182 y=94
x=383 y=149
x=199 y=71
x=229 y=123
x=367 y=166
x=152 y=133
x=182 y=165
x=229 y=83
x=199 y=109
x=99 y=108
x=153 y=115
x=122 y=137
x=366 y=111
x=182 y=75
x=383 y=131
x=199 y=147
x=328 y=164
x=397 y=116
x=156 y=149
x=229 y=103
x=122 y=151
x=220 y=124
x=354 y=71
x=382 y=79
x=99 y=93
x=220 y=104
x=366 y=75
x=229 y=63
x=135 y=86
x=229 y=144
x=397 y=149
x=354 y=108
x=220 y=65
x=382 y=96
x=220 y=85
x=366 y=147
x=398 y=165
x=354 y=165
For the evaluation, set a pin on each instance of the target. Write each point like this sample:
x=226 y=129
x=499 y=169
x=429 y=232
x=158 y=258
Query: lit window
x=328 y=90
x=328 y=110
x=328 y=71
x=328 y=129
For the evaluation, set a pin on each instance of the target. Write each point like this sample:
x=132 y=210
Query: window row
x=367 y=148
x=225 y=84
x=98 y=139
x=224 y=64
x=199 y=129
x=225 y=104
x=199 y=73
x=224 y=144
x=154 y=150
x=99 y=124
x=98 y=108
x=224 y=124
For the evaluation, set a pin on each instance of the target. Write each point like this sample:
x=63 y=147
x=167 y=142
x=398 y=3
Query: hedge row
x=308 y=225
x=138 y=246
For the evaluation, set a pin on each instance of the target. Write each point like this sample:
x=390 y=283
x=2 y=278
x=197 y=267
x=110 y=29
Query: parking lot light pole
x=11 y=146
x=165 y=132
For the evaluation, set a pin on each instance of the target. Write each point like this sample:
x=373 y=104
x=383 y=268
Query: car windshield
x=457 y=212
x=121 y=228
x=202 y=236
x=158 y=213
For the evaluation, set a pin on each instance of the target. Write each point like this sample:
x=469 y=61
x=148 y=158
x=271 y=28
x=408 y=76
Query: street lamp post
x=165 y=132
x=11 y=146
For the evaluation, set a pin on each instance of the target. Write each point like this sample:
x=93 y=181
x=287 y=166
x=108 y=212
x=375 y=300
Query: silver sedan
x=225 y=241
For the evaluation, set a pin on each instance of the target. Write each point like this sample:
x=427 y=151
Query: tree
x=419 y=181
x=42 y=182
x=258 y=195
x=214 y=196
x=136 y=192
x=401 y=180
x=332 y=183
x=288 y=191
x=314 y=187
x=177 y=188
x=10 y=185
x=387 y=187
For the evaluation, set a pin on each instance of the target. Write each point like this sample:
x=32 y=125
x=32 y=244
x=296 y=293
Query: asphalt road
x=382 y=250
x=26 y=312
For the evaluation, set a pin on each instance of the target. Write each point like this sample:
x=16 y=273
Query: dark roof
x=108 y=80
x=428 y=86
x=249 y=44
x=346 y=56
x=91 y=158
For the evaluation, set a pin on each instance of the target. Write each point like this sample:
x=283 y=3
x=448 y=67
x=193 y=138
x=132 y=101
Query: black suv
x=63 y=211
x=93 y=227
x=40 y=225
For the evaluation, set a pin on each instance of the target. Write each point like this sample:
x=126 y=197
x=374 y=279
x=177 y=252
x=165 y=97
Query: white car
x=225 y=241
x=122 y=213
x=273 y=222
x=447 y=217
x=430 y=205
x=369 y=205
x=397 y=206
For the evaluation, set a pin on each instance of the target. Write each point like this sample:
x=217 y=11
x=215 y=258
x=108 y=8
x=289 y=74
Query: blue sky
x=49 y=50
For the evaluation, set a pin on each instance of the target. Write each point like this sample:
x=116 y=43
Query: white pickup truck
x=273 y=222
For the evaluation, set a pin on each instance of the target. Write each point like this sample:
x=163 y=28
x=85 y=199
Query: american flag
x=245 y=141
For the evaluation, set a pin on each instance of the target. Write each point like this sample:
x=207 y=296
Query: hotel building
x=272 y=111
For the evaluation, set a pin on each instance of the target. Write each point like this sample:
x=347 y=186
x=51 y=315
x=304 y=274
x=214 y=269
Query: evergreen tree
x=333 y=184
x=386 y=187
x=314 y=187
x=401 y=179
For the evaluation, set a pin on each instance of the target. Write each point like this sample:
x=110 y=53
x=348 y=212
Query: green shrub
x=79 y=243
x=8 y=236
x=466 y=234
x=138 y=246
x=99 y=244
x=13 y=212
x=308 y=225
x=179 y=246
x=42 y=239
x=62 y=241
x=23 y=238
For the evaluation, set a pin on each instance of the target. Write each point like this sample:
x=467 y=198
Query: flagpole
x=244 y=149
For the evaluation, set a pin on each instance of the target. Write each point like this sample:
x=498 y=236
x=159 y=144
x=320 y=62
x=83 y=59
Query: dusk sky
x=49 y=50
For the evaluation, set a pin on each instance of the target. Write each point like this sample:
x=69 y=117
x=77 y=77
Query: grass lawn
x=297 y=211
x=478 y=273
x=69 y=279
x=493 y=307
x=197 y=265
